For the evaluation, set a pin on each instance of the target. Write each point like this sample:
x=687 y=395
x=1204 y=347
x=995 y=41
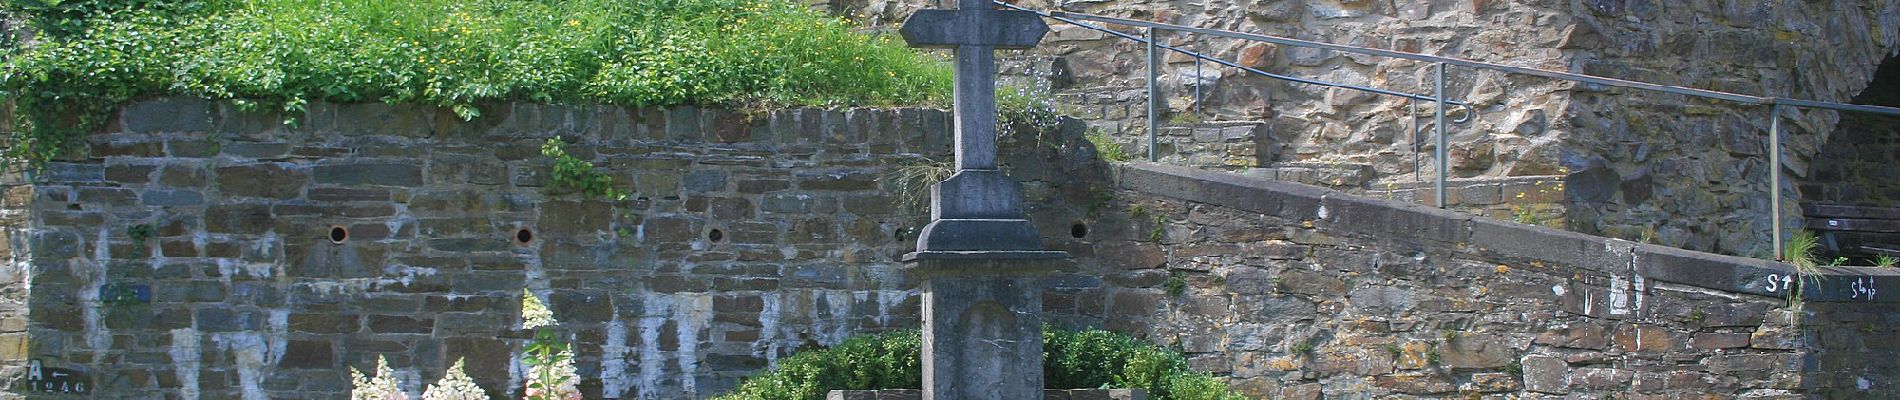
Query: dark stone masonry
x=194 y=251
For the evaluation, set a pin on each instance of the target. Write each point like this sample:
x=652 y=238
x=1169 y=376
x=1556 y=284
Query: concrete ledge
x=1505 y=240
x=1364 y=215
x=1047 y=394
x=1277 y=198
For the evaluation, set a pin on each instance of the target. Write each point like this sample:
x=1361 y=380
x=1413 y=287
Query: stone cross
x=977 y=209
x=980 y=259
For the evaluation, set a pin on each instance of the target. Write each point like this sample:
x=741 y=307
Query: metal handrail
x=1775 y=103
x=1154 y=106
x=1736 y=97
x=1225 y=62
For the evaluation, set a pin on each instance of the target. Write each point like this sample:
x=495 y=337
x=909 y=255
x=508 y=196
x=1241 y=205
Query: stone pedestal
x=983 y=322
x=977 y=210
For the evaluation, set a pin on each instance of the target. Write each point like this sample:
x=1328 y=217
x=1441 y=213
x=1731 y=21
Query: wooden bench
x=1846 y=229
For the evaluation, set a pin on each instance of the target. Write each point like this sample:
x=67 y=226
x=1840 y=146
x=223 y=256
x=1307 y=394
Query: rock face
x=1684 y=172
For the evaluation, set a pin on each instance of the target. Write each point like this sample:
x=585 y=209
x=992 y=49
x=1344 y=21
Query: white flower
x=533 y=313
x=380 y=387
x=455 y=386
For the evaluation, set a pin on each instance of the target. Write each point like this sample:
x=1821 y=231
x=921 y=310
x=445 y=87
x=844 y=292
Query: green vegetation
x=1071 y=359
x=1301 y=348
x=1174 y=286
x=1886 y=261
x=1798 y=251
x=1106 y=147
x=912 y=180
x=282 y=54
x=573 y=173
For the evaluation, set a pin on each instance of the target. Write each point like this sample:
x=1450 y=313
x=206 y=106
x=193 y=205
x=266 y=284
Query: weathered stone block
x=121 y=148
x=1477 y=350
x=1546 y=374
x=1309 y=283
x=238 y=218
x=183 y=175
x=400 y=324
x=1644 y=338
x=1578 y=336
x=1710 y=340
x=567 y=220
x=221 y=319
x=257 y=150
x=170 y=198
x=167 y=115
x=1416 y=383
x=308 y=354
x=54 y=245
x=271 y=180
x=371 y=174
x=65 y=172
x=324 y=323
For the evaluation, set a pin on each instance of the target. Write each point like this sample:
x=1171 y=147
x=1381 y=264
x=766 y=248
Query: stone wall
x=1296 y=292
x=745 y=239
x=1666 y=169
x=1695 y=172
x=1517 y=133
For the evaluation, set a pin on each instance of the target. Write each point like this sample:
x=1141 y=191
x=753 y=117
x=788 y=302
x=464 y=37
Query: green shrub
x=1071 y=360
x=450 y=53
x=888 y=360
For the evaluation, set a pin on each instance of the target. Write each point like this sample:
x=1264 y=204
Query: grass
x=911 y=182
x=1106 y=147
x=1886 y=261
x=1798 y=251
x=450 y=53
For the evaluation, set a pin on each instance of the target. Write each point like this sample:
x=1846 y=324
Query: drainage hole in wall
x=715 y=236
x=1078 y=230
x=338 y=234
x=523 y=236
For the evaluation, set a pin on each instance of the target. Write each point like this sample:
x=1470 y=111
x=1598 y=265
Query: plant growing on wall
x=1798 y=251
x=550 y=361
x=580 y=176
x=911 y=182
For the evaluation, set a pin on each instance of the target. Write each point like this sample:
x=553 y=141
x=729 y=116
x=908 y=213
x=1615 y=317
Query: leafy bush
x=62 y=18
x=449 y=53
x=881 y=361
x=1071 y=360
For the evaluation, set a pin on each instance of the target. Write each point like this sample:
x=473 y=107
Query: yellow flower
x=573 y=22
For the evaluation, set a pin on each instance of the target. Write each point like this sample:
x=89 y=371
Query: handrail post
x=1197 y=87
x=1154 y=100
x=1411 y=123
x=1438 y=119
x=1774 y=176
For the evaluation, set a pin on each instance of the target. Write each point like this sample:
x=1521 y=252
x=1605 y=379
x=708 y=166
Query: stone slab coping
x=985 y=255
x=1341 y=213
x=1047 y=394
x=936 y=264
